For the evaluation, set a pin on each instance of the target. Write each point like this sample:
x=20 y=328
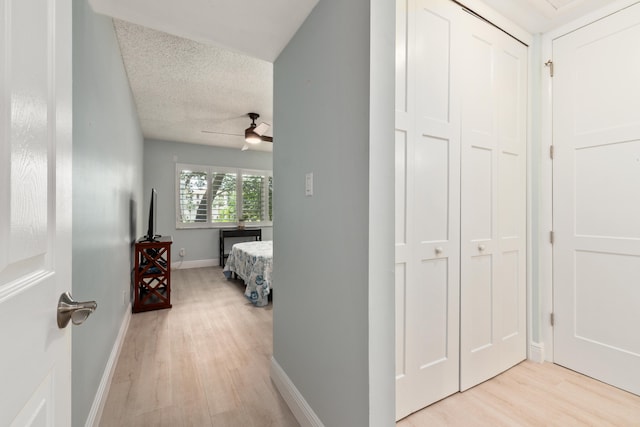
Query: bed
x=253 y=263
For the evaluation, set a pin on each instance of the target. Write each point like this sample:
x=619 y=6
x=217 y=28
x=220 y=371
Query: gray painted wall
x=107 y=190
x=160 y=158
x=333 y=252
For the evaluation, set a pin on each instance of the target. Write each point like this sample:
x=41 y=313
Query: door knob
x=77 y=312
x=481 y=248
x=439 y=250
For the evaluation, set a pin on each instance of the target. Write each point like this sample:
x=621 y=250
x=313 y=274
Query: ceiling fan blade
x=252 y=135
x=262 y=128
x=221 y=133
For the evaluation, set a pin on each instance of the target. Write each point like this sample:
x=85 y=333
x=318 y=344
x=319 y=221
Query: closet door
x=493 y=203
x=427 y=205
x=460 y=202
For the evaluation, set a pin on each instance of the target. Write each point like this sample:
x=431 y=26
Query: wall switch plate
x=182 y=252
x=308 y=184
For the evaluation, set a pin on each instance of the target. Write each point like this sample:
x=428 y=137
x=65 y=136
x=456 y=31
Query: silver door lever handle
x=77 y=312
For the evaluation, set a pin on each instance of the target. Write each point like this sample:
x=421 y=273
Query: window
x=234 y=194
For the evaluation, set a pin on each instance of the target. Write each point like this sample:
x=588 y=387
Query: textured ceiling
x=182 y=87
x=198 y=65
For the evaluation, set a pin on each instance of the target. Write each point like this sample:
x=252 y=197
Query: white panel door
x=493 y=233
x=596 y=199
x=427 y=205
x=35 y=211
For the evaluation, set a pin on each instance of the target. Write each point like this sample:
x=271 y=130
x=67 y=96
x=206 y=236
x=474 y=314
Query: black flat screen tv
x=153 y=209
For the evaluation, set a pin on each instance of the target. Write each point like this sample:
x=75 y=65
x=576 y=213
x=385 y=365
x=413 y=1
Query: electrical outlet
x=125 y=297
x=182 y=252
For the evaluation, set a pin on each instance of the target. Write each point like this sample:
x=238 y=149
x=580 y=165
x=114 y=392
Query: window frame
x=209 y=170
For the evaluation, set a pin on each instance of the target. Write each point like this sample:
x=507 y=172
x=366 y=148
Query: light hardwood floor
x=535 y=395
x=205 y=362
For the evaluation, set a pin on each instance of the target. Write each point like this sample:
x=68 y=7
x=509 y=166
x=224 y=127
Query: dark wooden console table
x=226 y=233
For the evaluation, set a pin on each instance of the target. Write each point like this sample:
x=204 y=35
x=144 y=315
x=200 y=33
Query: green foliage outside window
x=223 y=205
x=252 y=197
x=193 y=196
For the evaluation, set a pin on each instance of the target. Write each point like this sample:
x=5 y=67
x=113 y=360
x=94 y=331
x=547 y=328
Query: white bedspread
x=253 y=263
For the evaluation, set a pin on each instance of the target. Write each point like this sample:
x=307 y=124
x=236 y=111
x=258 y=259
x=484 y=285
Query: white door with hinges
x=596 y=199
x=35 y=211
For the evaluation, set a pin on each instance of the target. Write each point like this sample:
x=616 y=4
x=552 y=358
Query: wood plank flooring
x=205 y=362
x=533 y=394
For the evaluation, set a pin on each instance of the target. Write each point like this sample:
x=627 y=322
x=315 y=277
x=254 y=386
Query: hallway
x=204 y=362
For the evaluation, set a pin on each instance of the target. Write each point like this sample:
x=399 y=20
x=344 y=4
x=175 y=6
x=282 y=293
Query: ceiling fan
x=254 y=134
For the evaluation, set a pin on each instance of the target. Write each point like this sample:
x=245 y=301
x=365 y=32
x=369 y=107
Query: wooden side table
x=152 y=275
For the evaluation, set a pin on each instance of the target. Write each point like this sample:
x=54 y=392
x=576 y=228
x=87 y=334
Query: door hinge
x=551 y=151
x=552 y=319
x=549 y=64
x=551 y=237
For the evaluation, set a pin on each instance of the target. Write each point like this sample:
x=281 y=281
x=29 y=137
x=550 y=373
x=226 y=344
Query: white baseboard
x=199 y=263
x=93 y=420
x=536 y=352
x=300 y=408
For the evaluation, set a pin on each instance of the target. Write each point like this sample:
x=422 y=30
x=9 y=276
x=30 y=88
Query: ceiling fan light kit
x=251 y=134
x=251 y=137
